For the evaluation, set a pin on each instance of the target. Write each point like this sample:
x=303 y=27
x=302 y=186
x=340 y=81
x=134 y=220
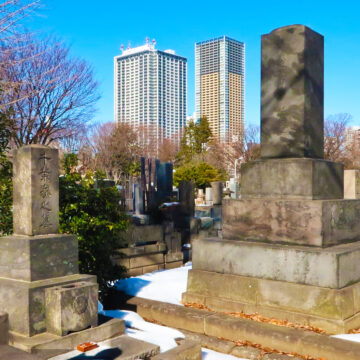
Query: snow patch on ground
x=162 y=285
x=140 y=329
x=349 y=337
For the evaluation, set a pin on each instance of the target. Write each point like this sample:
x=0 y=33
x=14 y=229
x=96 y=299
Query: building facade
x=150 y=90
x=220 y=86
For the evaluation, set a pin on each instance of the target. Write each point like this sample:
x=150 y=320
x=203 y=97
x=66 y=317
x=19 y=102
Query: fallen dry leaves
x=267 y=350
x=260 y=318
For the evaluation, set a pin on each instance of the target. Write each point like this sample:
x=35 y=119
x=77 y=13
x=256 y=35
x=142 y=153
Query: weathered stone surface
x=169 y=314
x=292 y=179
x=25 y=301
x=351 y=184
x=4 y=328
x=173 y=242
x=303 y=222
x=246 y=352
x=333 y=267
x=32 y=258
x=36 y=190
x=71 y=307
x=217 y=192
x=48 y=345
x=292 y=93
x=119 y=348
x=284 y=339
x=10 y=353
x=188 y=350
x=187 y=198
x=210 y=342
x=143 y=234
x=335 y=310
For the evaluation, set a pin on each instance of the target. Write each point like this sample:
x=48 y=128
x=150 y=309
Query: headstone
x=217 y=192
x=234 y=187
x=36 y=199
x=138 y=200
x=292 y=95
x=208 y=194
x=164 y=173
x=292 y=91
x=186 y=198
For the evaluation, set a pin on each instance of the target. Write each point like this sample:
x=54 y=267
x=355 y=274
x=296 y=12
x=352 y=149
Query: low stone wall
x=188 y=350
x=152 y=248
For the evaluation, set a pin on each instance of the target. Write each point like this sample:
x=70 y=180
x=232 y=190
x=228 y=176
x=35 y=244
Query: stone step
x=47 y=345
x=188 y=350
x=10 y=353
x=119 y=348
x=282 y=339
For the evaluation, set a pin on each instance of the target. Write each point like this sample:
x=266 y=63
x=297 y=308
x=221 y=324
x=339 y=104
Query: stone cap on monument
x=292 y=93
x=36 y=190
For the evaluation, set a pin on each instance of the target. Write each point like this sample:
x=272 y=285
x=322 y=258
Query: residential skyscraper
x=150 y=89
x=220 y=86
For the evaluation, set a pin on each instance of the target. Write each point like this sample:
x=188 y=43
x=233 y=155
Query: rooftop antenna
x=153 y=41
x=122 y=47
x=147 y=40
x=129 y=45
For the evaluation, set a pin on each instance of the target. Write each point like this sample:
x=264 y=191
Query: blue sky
x=96 y=29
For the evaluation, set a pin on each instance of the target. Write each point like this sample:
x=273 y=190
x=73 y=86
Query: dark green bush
x=94 y=215
x=5 y=178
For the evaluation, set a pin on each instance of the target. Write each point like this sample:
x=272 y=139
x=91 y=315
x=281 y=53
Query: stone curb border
x=188 y=350
x=227 y=327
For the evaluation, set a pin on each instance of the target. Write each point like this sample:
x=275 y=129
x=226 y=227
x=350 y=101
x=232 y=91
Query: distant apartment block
x=220 y=86
x=352 y=137
x=150 y=90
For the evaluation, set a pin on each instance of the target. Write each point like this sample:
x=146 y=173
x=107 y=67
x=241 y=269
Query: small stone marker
x=217 y=192
x=36 y=198
x=292 y=93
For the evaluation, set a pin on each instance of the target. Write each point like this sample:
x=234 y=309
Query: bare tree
x=116 y=149
x=224 y=155
x=334 y=137
x=53 y=95
x=12 y=12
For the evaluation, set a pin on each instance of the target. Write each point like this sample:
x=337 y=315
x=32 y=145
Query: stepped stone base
x=304 y=222
x=334 y=267
x=25 y=301
x=334 y=310
x=292 y=178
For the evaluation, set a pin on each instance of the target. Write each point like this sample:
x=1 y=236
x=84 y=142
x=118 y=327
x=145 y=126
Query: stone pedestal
x=71 y=307
x=292 y=179
x=300 y=222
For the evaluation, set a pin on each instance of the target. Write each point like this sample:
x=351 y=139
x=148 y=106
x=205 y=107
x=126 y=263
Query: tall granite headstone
x=292 y=95
x=291 y=244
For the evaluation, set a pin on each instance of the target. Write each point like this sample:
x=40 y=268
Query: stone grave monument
x=291 y=245
x=40 y=286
